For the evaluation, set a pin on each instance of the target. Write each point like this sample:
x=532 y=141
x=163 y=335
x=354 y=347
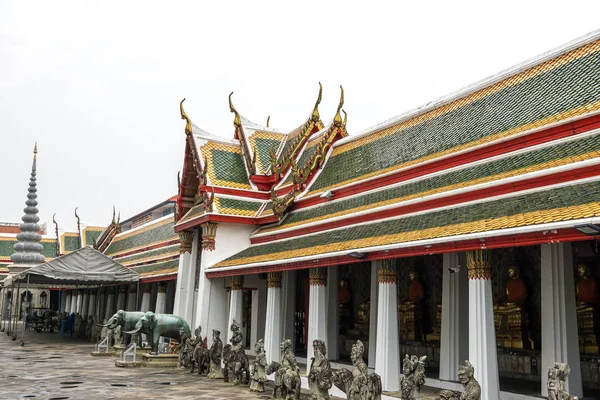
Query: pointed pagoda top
x=28 y=249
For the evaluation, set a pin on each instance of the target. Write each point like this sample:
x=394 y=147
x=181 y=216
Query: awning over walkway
x=83 y=267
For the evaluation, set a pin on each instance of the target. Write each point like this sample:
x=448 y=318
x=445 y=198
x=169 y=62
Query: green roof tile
x=145 y=237
x=544 y=200
x=566 y=87
x=229 y=166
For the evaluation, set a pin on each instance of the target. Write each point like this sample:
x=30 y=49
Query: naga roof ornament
x=314 y=124
x=281 y=204
x=337 y=130
x=188 y=122
x=239 y=134
x=268 y=119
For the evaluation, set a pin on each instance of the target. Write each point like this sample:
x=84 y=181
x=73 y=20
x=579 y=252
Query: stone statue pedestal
x=161 y=360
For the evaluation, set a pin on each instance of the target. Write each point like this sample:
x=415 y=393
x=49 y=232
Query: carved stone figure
x=411 y=310
x=88 y=328
x=156 y=325
x=77 y=324
x=472 y=389
x=413 y=369
x=200 y=356
x=511 y=318
x=358 y=384
x=557 y=375
x=287 y=374
x=235 y=359
x=215 y=371
x=588 y=312
x=320 y=375
x=104 y=331
x=117 y=336
x=186 y=349
x=259 y=376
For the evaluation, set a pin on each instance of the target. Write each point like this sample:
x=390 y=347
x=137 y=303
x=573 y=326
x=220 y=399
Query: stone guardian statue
x=320 y=375
x=413 y=369
x=215 y=371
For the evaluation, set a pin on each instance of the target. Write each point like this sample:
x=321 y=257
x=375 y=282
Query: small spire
x=28 y=249
x=78 y=226
x=268 y=119
x=113 y=219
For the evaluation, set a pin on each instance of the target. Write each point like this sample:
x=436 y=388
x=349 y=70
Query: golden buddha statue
x=361 y=327
x=588 y=299
x=345 y=307
x=410 y=312
x=511 y=318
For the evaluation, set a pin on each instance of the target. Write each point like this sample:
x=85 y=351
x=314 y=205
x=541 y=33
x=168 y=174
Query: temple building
x=464 y=229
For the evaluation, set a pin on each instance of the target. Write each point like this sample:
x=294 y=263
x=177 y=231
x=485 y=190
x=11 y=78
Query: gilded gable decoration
x=314 y=124
x=188 y=122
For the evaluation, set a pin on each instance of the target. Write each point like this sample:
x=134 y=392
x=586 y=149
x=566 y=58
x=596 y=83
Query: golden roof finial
x=188 y=122
x=268 y=119
x=35 y=151
x=237 y=122
x=113 y=219
x=315 y=114
x=119 y=217
x=337 y=120
x=345 y=117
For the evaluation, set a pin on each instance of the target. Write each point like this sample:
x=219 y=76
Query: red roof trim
x=527 y=239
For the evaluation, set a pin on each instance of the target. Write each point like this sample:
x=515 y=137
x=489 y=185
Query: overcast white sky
x=98 y=83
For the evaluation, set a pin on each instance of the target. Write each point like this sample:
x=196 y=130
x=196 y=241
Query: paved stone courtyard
x=50 y=368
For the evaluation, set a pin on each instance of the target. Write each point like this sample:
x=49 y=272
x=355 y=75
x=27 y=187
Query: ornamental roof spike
x=188 y=121
x=237 y=121
x=113 y=218
x=315 y=114
x=57 y=238
x=337 y=120
x=268 y=119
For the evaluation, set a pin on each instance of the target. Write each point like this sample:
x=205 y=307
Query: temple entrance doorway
x=420 y=308
x=354 y=299
x=302 y=291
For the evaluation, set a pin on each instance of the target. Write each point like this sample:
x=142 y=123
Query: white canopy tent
x=85 y=267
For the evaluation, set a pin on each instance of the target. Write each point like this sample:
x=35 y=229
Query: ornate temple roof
x=500 y=163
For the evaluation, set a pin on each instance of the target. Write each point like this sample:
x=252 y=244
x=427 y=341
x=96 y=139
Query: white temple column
x=161 y=298
x=110 y=302
x=92 y=304
x=373 y=316
x=236 y=302
x=288 y=298
x=67 y=308
x=273 y=333
x=317 y=310
x=85 y=303
x=333 y=328
x=560 y=341
x=482 y=336
x=79 y=303
x=454 y=344
x=387 y=357
x=121 y=297
x=186 y=275
x=132 y=297
x=146 y=290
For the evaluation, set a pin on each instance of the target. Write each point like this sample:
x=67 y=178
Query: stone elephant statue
x=156 y=325
x=127 y=320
